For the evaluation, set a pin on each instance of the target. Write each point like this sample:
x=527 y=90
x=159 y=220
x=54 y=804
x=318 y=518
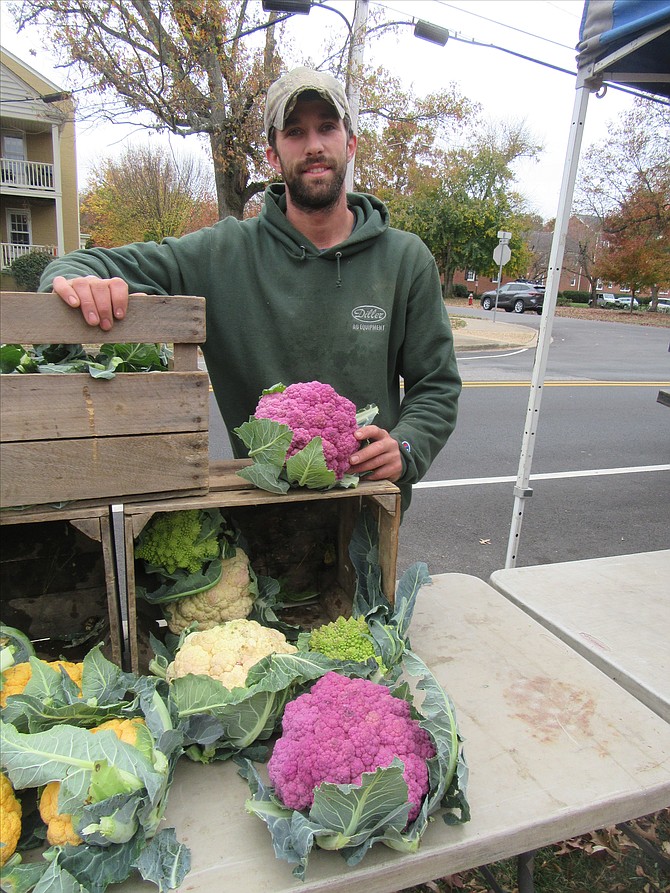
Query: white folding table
x=554 y=747
x=615 y=612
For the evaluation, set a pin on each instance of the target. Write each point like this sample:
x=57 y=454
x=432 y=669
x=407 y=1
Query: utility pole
x=354 y=73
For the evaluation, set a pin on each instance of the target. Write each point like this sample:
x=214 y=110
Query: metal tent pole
x=522 y=490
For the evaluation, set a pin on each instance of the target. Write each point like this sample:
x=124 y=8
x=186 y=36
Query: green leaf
x=266 y=440
x=165 y=861
x=20 y=878
x=352 y=812
x=278 y=388
x=95 y=868
x=180 y=583
x=265 y=476
x=35 y=759
x=307 y=468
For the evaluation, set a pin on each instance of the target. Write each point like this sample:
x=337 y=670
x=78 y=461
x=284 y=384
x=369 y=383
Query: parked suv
x=607 y=299
x=515 y=296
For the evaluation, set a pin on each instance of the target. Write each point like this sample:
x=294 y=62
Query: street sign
x=501 y=254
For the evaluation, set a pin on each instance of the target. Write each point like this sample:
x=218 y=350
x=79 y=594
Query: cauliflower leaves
x=302 y=435
x=356 y=768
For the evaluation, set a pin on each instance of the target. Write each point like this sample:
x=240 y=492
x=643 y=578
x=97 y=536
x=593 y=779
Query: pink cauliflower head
x=340 y=729
x=314 y=409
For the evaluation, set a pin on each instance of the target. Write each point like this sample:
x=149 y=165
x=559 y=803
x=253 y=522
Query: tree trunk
x=230 y=179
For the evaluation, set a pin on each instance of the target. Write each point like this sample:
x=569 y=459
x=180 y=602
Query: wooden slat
x=39 y=407
x=95 y=468
x=27 y=318
x=113 y=606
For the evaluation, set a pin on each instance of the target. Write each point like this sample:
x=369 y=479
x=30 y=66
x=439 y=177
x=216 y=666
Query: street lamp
x=431 y=33
x=302 y=7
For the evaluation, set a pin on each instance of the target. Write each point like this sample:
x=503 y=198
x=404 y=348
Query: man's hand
x=101 y=300
x=380 y=459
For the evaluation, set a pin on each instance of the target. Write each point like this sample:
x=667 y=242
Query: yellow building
x=39 y=204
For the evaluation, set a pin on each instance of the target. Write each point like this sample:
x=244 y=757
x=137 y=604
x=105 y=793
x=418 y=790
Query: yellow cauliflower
x=126 y=730
x=59 y=825
x=227 y=652
x=15 y=678
x=10 y=819
x=229 y=599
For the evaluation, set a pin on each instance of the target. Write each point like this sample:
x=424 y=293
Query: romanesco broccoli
x=185 y=539
x=343 y=639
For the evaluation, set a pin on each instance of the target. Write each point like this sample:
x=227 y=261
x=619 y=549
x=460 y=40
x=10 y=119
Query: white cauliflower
x=227 y=652
x=230 y=599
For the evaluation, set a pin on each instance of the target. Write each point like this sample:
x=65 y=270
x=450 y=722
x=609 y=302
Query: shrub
x=459 y=290
x=28 y=268
x=578 y=297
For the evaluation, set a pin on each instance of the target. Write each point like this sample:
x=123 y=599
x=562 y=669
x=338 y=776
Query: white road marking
x=594 y=472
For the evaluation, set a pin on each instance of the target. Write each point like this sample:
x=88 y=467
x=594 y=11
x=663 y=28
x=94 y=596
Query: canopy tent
x=624 y=42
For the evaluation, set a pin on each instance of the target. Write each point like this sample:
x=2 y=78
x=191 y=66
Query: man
x=317 y=287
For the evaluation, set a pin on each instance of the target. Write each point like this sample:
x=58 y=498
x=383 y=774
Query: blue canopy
x=626 y=42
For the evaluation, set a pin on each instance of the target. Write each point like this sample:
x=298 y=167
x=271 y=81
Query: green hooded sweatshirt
x=361 y=316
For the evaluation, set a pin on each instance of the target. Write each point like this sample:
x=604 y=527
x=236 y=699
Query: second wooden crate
x=301 y=538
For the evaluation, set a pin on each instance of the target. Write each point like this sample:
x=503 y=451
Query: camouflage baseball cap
x=283 y=94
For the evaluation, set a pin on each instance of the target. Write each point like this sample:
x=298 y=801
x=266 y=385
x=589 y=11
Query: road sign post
x=501 y=255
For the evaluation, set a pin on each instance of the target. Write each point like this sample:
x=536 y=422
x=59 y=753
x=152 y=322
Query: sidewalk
x=485 y=334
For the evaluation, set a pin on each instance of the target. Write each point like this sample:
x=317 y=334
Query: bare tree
x=147 y=193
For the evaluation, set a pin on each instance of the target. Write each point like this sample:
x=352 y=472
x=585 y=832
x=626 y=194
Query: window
x=573 y=281
x=494 y=277
x=13 y=156
x=18 y=227
x=599 y=285
x=470 y=276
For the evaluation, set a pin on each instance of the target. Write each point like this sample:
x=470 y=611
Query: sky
x=507 y=87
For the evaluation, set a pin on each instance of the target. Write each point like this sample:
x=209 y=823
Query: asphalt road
x=601 y=464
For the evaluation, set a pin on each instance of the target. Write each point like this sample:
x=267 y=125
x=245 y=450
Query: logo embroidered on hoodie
x=368 y=316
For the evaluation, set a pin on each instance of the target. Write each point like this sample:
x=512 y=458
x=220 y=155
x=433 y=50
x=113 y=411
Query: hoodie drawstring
x=338 y=283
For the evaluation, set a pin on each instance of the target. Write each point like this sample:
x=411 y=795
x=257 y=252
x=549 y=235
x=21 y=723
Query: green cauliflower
x=232 y=598
x=181 y=540
x=344 y=639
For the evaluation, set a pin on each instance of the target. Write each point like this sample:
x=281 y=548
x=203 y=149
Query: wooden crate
x=301 y=537
x=70 y=437
x=50 y=593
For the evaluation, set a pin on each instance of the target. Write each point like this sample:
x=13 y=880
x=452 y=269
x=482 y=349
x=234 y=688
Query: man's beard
x=315 y=196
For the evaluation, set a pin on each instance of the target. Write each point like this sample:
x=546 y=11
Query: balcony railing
x=10 y=251
x=37 y=175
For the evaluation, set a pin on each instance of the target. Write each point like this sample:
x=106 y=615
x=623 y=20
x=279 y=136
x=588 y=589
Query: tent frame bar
x=522 y=489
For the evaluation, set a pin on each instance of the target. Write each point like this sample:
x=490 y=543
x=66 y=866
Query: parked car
x=607 y=299
x=515 y=296
x=663 y=305
x=604 y=299
x=625 y=302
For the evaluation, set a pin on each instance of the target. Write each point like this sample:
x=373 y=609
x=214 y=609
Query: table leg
x=524 y=872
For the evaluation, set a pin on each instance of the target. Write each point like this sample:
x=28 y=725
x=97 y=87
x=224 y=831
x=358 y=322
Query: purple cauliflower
x=340 y=729
x=314 y=409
